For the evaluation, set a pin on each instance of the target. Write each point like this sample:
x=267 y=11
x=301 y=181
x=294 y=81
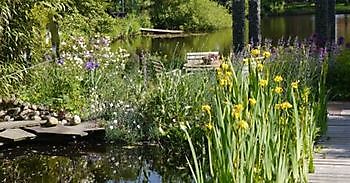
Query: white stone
x=76 y=120
x=51 y=121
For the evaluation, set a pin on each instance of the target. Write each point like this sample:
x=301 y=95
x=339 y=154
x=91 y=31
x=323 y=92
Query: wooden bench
x=198 y=61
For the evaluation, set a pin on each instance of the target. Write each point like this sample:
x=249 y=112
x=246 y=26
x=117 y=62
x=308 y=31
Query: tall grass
x=264 y=120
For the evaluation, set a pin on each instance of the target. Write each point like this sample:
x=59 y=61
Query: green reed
x=264 y=120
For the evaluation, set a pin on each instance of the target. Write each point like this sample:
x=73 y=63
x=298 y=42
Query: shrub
x=192 y=15
x=338 y=76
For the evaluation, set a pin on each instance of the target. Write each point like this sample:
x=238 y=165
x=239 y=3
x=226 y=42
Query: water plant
x=265 y=118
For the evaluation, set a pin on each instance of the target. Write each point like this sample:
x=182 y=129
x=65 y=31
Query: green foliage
x=339 y=76
x=177 y=98
x=192 y=15
x=264 y=121
x=273 y=6
x=15 y=31
x=84 y=68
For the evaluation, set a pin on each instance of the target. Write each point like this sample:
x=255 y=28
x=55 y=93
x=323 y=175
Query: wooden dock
x=160 y=31
x=332 y=163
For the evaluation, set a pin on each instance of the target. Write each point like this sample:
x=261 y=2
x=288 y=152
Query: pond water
x=273 y=28
x=89 y=162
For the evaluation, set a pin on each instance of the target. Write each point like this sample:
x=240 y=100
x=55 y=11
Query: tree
x=238 y=18
x=331 y=21
x=254 y=21
x=321 y=22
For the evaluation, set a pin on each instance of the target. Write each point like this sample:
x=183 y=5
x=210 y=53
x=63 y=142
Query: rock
x=24 y=115
x=36 y=118
x=25 y=106
x=36 y=113
x=44 y=112
x=5 y=100
x=34 y=107
x=13 y=111
x=42 y=108
x=68 y=117
x=64 y=122
x=54 y=115
x=15 y=102
x=76 y=120
x=51 y=121
x=2 y=113
x=26 y=112
x=8 y=118
x=44 y=117
x=61 y=115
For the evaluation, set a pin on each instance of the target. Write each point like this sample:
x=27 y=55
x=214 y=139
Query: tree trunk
x=321 y=22
x=238 y=19
x=331 y=32
x=331 y=21
x=254 y=21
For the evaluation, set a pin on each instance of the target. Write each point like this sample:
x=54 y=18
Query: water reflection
x=84 y=163
x=274 y=28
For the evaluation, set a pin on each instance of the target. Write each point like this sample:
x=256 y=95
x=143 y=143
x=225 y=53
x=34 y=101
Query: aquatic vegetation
x=263 y=126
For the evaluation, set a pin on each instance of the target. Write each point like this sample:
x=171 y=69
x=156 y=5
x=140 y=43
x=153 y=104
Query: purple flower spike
x=340 y=41
x=91 y=65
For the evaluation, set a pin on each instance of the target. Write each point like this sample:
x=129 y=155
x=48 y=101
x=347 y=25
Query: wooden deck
x=202 y=61
x=161 y=31
x=332 y=163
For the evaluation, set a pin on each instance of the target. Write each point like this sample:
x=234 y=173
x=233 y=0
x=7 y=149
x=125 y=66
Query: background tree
x=331 y=21
x=254 y=21
x=238 y=18
x=321 y=22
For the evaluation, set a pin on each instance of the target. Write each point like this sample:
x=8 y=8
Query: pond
x=89 y=162
x=273 y=28
x=95 y=162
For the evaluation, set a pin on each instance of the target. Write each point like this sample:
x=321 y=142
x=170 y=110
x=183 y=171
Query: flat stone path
x=28 y=130
x=332 y=162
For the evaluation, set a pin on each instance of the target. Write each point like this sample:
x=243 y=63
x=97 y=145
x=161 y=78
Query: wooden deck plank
x=16 y=135
x=332 y=163
x=161 y=31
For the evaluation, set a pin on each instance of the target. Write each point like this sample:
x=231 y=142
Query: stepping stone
x=16 y=135
x=91 y=126
x=19 y=124
x=57 y=130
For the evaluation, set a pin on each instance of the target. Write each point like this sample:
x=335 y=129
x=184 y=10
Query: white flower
x=111 y=127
